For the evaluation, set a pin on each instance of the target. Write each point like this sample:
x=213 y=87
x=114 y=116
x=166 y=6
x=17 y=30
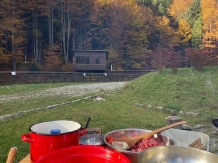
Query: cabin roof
x=90 y=51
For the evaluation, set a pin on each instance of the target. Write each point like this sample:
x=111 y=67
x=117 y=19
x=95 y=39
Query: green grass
x=188 y=90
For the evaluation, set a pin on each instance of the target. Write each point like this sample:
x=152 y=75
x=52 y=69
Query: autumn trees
x=44 y=32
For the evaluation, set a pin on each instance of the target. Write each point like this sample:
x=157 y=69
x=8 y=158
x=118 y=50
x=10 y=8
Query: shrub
x=159 y=58
x=197 y=58
x=174 y=60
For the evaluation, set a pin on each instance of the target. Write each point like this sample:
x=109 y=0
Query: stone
x=159 y=108
x=186 y=127
x=6 y=117
x=199 y=126
x=139 y=104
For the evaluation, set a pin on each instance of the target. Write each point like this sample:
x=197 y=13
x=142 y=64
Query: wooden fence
x=23 y=77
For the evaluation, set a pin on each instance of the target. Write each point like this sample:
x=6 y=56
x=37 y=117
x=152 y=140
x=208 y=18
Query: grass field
x=187 y=91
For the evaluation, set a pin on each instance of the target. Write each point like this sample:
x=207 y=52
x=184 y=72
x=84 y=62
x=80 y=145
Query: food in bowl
x=197 y=144
x=139 y=146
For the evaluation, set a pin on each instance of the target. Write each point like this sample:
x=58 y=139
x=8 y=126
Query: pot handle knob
x=27 y=138
x=83 y=131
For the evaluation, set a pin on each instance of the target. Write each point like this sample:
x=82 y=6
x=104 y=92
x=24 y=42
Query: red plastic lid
x=84 y=154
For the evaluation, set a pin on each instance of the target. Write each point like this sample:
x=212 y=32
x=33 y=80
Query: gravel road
x=73 y=91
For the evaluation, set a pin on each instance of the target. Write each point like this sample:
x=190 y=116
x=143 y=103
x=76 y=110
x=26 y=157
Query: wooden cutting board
x=25 y=159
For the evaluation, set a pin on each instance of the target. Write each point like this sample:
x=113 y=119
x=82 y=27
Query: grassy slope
x=186 y=91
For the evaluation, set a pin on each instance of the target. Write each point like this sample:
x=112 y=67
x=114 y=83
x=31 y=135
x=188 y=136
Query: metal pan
x=176 y=154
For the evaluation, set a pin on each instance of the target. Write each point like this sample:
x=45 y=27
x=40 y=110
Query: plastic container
x=84 y=154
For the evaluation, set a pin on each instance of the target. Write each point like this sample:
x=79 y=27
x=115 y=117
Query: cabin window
x=97 y=61
x=82 y=60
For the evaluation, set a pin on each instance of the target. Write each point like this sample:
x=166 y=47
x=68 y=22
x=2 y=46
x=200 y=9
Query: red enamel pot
x=50 y=136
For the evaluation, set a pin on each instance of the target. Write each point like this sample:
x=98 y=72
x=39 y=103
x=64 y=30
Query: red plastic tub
x=84 y=154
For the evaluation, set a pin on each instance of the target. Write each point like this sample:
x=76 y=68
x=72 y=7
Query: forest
x=139 y=34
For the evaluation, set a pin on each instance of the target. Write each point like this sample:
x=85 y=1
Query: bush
x=159 y=59
x=174 y=60
x=197 y=58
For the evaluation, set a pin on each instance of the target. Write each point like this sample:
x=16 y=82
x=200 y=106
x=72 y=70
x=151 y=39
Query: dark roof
x=106 y=51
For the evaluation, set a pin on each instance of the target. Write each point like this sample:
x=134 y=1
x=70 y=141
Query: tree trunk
x=68 y=31
x=63 y=21
x=13 y=53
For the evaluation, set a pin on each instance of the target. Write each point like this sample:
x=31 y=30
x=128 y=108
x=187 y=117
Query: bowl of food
x=91 y=139
x=176 y=154
x=133 y=153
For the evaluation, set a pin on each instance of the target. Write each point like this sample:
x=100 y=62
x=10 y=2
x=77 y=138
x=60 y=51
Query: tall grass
x=133 y=106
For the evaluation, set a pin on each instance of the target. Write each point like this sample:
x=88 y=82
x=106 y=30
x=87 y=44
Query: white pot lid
x=55 y=127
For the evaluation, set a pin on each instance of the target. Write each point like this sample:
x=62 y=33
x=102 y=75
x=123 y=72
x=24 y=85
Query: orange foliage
x=184 y=31
x=52 y=59
x=210 y=23
x=179 y=7
x=164 y=21
x=3 y=57
x=67 y=67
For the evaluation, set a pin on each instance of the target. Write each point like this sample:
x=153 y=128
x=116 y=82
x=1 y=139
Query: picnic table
x=25 y=159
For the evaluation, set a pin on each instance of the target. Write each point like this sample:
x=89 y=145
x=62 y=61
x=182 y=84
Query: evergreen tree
x=163 y=6
x=196 y=33
x=146 y=3
x=161 y=9
x=194 y=12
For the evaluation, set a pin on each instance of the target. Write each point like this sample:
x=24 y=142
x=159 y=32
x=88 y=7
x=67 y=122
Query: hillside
x=188 y=90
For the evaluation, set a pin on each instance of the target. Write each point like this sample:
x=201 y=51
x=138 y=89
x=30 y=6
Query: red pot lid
x=55 y=127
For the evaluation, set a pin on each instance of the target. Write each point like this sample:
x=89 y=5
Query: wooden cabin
x=90 y=60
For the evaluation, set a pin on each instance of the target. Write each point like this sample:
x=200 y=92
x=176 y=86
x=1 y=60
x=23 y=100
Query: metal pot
x=50 y=136
x=132 y=156
x=176 y=154
x=91 y=139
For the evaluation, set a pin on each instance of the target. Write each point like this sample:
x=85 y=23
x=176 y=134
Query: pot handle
x=83 y=131
x=27 y=138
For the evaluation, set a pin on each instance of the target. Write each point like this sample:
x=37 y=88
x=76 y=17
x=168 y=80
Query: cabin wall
x=89 y=61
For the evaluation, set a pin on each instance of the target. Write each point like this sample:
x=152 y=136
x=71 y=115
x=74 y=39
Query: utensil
x=87 y=123
x=11 y=155
x=215 y=122
x=84 y=154
x=49 y=136
x=176 y=154
x=131 y=141
x=129 y=132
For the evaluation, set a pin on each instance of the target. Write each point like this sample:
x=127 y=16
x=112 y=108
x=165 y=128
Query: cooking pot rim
x=46 y=134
